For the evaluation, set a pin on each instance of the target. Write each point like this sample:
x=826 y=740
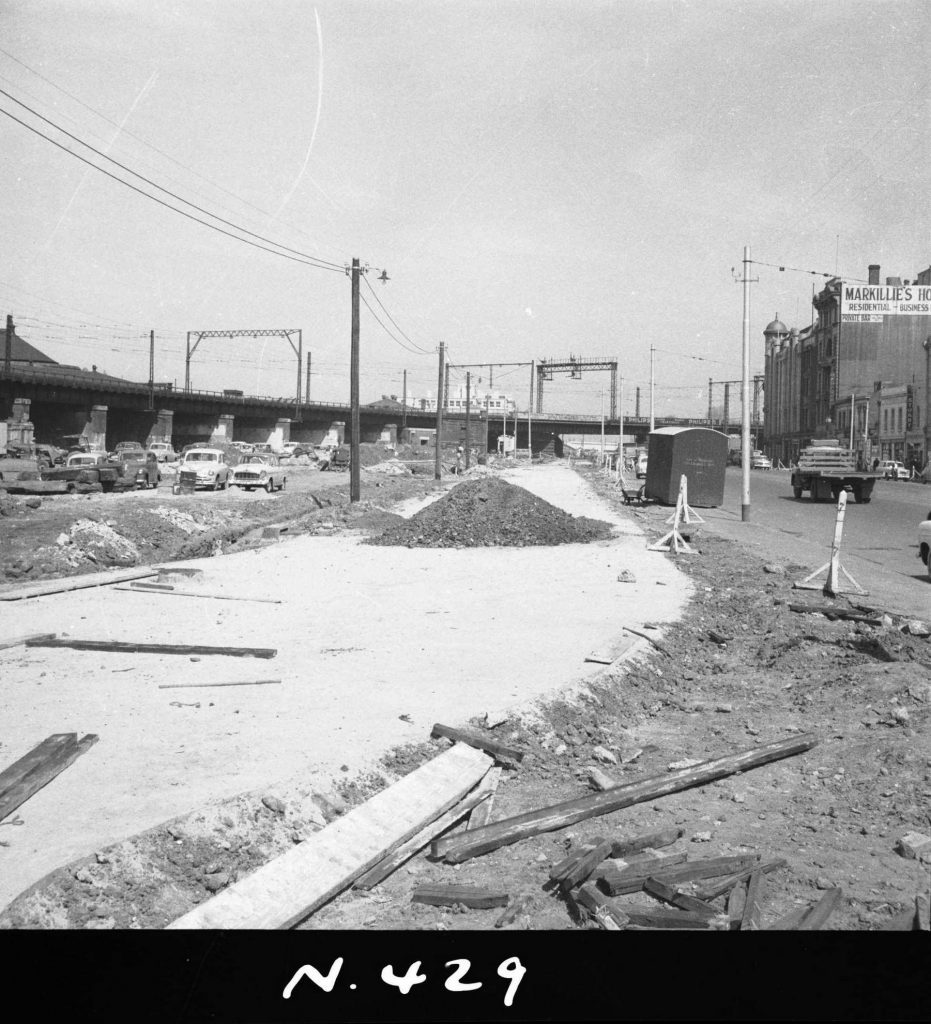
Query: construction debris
x=96 y=579
x=121 y=647
x=475 y=739
x=15 y=641
x=474 y=896
x=242 y=682
x=25 y=777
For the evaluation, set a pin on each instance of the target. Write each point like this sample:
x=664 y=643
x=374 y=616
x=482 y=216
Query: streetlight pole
x=652 y=383
x=355 y=478
x=745 y=396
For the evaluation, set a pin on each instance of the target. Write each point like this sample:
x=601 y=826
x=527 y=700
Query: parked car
x=263 y=449
x=893 y=470
x=141 y=466
x=760 y=461
x=243 y=447
x=205 y=467
x=128 y=446
x=292 y=450
x=924 y=543
x=163 y=451
x=259 y=471
x=641 y=465
x=89 y=468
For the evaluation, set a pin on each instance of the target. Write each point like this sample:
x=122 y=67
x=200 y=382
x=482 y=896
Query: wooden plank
x=753 y=907
x=670 y=894
x=482 y=812
x=668 y=919
x=39 y=754
x=548 y=819
x=243 y=682
x=514 y=910
x=821 y=911
x=294 y=885
x=714 y=889
x=601 y=908
x=480 y=795
x=15 y=641
x=634 y=879
x=789 y=922
x=736 y=901
x=559 y=870
x=42 y=775
x=476 y=897
x=476 y=739
x=121 y=647
x=61 y=586
x=639 y=866
x=585 y=865
x=169 y=591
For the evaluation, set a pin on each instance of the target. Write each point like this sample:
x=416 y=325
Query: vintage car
x=163 y=451
x=259 y=471
x=90 y=468
x=893 y=470
x=263 y=449
x=128 y=446
x=760 y=461
x=205 y=467
x=924 y=543
x=140 y=466
x=292 y=450
x=243 y=447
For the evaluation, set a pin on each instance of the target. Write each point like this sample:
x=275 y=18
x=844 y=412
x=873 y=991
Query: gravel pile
x=489 y=512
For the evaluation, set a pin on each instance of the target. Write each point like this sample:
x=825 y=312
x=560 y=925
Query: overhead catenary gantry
x=273 y=332
x=574 y=366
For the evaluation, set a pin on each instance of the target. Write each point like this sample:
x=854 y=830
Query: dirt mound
x=487 y=513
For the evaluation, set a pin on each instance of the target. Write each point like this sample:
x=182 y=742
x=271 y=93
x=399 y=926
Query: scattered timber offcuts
x=646 y=636
x=15 y=641
x=712 y=890
x=831 y=612
x=599 y=659
x=548 y=819
x=651 y=841
x=637 y=868
x=482 y=793
x=476 y=739
x=670 y=894
x=474 y=896
x=736 y=901
x=585 y=865
x=48 y=748
x=292 y=886
x=817 y=917
x=121 y=647
x=600 y=906
x=244 y=682
x=480 y=814
x=93 y=579
x=42 y=773
x=171 y=591
x=789 y=922
x=753 y=907
x=632 y=879
x=559 y=870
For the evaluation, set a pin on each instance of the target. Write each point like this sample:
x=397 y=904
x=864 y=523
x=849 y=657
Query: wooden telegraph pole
x=404 y=402
x=468 y=444
x=440 y=397
x=355 y=479
x=307 y=385
x=151 y=371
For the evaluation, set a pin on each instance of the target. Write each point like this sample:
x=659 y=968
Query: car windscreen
x=201 y=457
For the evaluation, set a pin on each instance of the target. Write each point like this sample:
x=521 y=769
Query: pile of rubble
x=488 y=512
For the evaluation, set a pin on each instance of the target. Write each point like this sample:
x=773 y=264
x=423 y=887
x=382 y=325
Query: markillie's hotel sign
x=869 y=303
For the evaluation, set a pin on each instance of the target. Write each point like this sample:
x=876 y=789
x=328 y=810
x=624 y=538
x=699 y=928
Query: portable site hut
x=698 y=453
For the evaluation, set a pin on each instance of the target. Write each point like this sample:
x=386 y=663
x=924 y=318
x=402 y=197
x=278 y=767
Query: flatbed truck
x=824 y=469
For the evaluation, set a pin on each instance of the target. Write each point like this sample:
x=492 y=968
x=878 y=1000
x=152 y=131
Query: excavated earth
x=739 y=670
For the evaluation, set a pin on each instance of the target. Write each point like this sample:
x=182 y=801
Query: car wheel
x=216 y=484
x=797 y=491
x=284 y=480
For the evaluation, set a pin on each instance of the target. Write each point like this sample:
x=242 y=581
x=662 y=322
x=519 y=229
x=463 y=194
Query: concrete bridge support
x=19 y=428
x=222 y=432
x=96 y=429
x=161 y=429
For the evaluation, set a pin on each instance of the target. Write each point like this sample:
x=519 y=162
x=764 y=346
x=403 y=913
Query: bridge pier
x=19 y=428
x=161 y=429
x=96 y=428
x=223 y=431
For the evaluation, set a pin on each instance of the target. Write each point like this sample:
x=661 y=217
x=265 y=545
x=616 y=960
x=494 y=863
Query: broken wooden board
x=751 y=919
x=585 y=865
x=15 y=641
x=669 y=919
x=42 y=752
x=514 y=910
x=43 y=773
x=294 y=885
x=817 y=916
x=601 y=908
x=476 y=897
x=670 y=894
x=480 y=795
x=94 y=579
x=476 y=739
x=482 y=812
x=832 y=612
x=122 y=647
x=549 y=819
x=714 y=889
x=170 y=591
x=650 y=840
x=559 y=870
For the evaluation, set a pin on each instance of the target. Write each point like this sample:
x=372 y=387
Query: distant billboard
x=869 y=303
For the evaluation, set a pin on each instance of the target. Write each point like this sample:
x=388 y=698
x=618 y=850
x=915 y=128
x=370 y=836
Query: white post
x=602 y=426
x=652 y=381
x=620 y=439
x=832 y=583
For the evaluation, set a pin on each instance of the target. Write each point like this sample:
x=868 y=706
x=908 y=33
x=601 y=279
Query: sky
x=539 y=179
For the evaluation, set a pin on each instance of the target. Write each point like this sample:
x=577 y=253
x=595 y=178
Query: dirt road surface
x=374 y=645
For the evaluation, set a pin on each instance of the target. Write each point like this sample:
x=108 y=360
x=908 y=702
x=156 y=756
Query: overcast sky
x=539 y=179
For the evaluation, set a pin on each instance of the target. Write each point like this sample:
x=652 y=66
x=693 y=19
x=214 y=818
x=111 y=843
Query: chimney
x=874 y=273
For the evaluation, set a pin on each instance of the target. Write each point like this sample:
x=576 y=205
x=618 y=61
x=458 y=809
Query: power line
x=325 y=264
x=799 y=270
x=388 y=332
x=426 y=352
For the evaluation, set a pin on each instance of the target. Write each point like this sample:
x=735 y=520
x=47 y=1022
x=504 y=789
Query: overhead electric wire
x=324 y=264
x=426 y=352
x=814 y=273
x=388 y=332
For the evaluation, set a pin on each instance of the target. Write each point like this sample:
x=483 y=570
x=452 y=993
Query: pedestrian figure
x=459 y=460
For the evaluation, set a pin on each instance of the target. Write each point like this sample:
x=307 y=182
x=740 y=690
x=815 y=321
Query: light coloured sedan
x=259 y=471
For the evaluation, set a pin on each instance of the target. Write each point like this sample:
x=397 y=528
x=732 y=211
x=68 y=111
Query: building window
x=885 y=421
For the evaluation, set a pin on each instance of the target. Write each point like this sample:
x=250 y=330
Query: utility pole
x=151 y=371
x=602 y=425
x=652 y=386
x=445 y=386
x=745 y=395
x=355 y=480
x=404 y=412
x=620 y=436
x=727 y=405
x=437 y=469
x=927 y=348
x=300 y=364
x=307 y=385
x=468 y=444
x=8 y=346
x=710 y=387
x=637 y=404
x=530 y=415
